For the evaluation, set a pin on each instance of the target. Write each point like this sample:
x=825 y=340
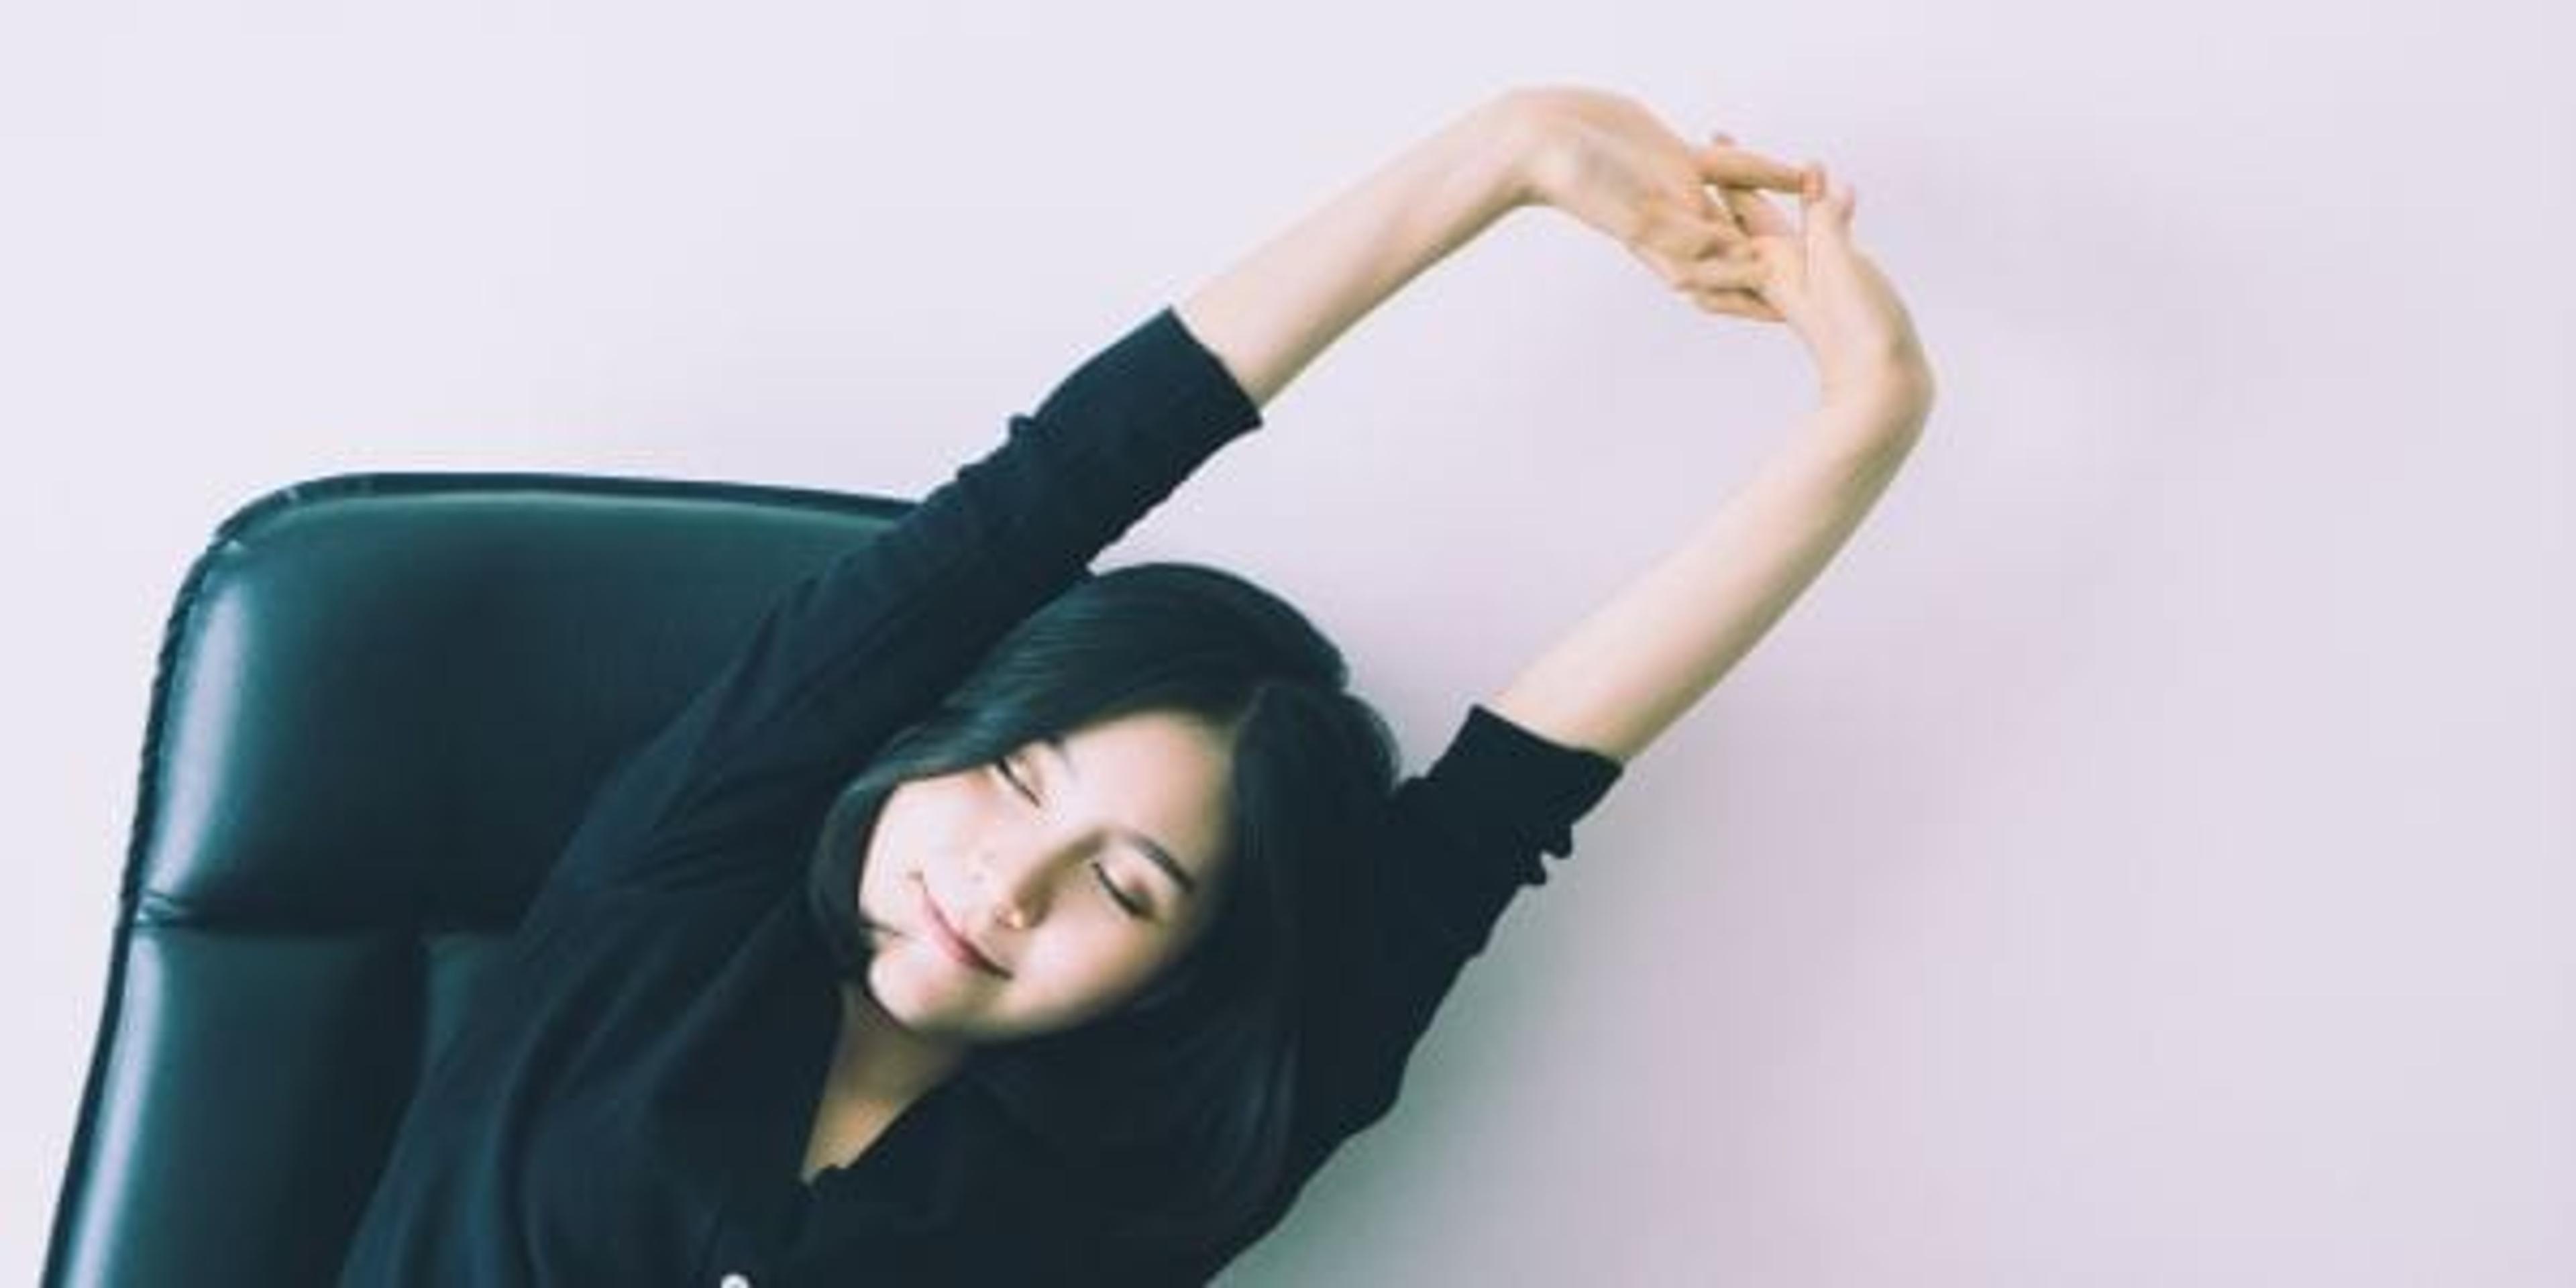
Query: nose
x=1015 y=889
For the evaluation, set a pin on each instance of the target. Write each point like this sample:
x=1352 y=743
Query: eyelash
x=1134 y=908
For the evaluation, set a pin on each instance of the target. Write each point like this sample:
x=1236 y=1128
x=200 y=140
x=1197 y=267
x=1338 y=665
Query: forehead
x=1158 y=773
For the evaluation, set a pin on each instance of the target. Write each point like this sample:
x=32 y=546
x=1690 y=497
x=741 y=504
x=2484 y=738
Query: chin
x=931 y=1008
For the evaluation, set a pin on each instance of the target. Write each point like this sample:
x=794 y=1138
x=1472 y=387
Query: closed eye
x=1132 y=905
x=1128 y=903
x=1003 y=767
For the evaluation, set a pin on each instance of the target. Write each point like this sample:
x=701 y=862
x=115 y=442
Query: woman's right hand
x=1839 y=303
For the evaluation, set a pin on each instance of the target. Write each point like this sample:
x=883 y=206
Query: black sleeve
x=1461 y=839
x=1457 y=842
x=851 y=654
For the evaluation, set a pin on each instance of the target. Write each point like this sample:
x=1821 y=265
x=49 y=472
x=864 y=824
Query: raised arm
x=1268 y=315
x=1631 y=668
x=1626 y=672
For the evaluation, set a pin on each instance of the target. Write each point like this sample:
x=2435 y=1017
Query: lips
x=951 y=940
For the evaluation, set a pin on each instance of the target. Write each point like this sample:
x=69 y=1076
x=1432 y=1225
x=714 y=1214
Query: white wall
x=2142 y=859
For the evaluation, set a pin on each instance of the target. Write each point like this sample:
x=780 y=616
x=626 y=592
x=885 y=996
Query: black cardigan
x=628 y=1100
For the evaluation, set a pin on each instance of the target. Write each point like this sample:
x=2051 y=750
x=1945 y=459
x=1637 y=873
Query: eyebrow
x=1153 y=850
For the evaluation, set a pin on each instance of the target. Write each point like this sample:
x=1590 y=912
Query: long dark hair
x=1182 y=1098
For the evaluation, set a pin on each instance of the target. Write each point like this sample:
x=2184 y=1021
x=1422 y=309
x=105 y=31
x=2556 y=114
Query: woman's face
x=1077 y=867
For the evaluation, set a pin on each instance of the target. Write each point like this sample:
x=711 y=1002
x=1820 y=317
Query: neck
x=879 y=1059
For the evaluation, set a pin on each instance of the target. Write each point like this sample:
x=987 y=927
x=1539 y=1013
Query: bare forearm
x=1626 y=672
x=1268 y=315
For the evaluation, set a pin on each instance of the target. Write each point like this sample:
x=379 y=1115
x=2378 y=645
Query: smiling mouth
x=950 y=939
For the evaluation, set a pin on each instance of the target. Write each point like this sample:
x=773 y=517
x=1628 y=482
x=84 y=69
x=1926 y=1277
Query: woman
x=984 y=920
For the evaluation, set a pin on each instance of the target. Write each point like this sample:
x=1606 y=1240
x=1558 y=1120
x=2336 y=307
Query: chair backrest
x=381 y=703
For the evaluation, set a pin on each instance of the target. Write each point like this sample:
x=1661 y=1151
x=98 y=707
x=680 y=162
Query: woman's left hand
x=1604 y=159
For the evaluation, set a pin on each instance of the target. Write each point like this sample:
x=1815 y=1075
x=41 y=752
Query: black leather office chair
x=381 y=703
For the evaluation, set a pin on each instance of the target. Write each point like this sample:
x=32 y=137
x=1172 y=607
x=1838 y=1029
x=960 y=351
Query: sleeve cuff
x=1209 y=380
x=1170 y=393
x=1515 y=790
x=1496 y=799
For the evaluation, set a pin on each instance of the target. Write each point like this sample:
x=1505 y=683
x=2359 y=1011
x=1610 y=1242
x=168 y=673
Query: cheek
x=909 y=824
x=1104 y=973
x=890 y=853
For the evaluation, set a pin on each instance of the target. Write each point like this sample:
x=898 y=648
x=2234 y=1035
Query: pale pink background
x=2143 y=859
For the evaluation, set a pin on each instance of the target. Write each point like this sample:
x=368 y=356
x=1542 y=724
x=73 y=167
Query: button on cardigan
x=628 y=1097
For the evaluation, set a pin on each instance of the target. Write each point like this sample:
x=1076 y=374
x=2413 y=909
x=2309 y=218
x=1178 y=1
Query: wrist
x=1518 y=141
x=1895 y=402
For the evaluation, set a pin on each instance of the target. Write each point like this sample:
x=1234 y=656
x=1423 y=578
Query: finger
x=1711 y=209
x=1757 y=214
x=1848 y=204
x=1825 y=210
x=1685 y=237
x=1730 y=272
x=1726 y=164
x=1737 y=304
x=1839 y=197
x=1782 y=264
x=1720 y=221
